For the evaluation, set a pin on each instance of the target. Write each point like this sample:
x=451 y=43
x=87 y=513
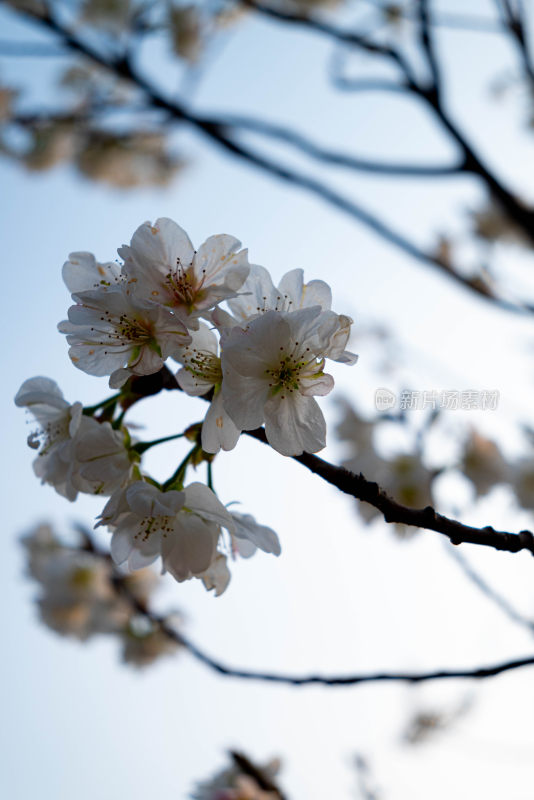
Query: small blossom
x=162 y=265
x=271 y=369
x=182 y=527
x=110 y=333
x=78 y=597
x=76 y=453
x=259 y=294
x=59 y=423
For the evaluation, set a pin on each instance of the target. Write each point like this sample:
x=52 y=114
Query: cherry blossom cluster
x=259 y=361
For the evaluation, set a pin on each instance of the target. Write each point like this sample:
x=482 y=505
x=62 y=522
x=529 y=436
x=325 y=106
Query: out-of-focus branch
x=222 y=135
x=345 y=84
x=352 y=38
x=477 y=673
x=492 y=594
x=515 y=22
x=264 y=782
x=429 y=93
x=427 y=44
x=307 y=146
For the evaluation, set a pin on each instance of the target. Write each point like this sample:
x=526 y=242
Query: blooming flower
x=201 y=373
x=76 y=453
x=78 y=597
x=111 y=333
x=180 y=526
x=58 y=423
x=259 y=294
x=161 y=265
x=271 y=369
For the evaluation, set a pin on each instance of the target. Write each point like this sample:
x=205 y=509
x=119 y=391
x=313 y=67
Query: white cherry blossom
x=200 y=373
x=76 y=453
x=161 y=265
x=258 y=294
x=182 y=527
x=271 y=369
x=111 y=333
x=58 y=424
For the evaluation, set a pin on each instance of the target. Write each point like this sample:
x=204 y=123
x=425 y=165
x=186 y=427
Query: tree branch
x=359 y=487
x=337 y=34
x=307 y=146
x=478 y=673
x=430 y=94
x=498 y=599
x=215 y=130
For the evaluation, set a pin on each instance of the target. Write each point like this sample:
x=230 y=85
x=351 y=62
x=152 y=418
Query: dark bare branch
x=222 y=135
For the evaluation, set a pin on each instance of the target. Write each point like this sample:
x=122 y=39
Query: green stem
x=142 y=447
x=118 y=422
x=90 y=410
x=179 y=474
x=210 y=476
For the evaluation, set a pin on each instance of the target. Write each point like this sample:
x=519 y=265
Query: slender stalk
x=142 y=447
x=178 y=476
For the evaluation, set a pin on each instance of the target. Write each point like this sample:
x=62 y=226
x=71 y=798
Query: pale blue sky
x=76 y=723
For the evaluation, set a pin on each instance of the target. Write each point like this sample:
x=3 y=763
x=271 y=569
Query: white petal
x=161 y=245
x=42 y=391
x=218 y=262
x=83 y=272
x=148 y=501
x=191 y=548
x=218 y=430
x=217 y=576
x=294 y=424
x=200 y=499
x=192 y=384
x=257 y=294
x=261 y=536
x=121 y=546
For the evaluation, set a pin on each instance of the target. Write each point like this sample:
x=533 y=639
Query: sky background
x=341 y=597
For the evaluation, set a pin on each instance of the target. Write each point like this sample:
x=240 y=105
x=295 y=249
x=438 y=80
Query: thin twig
x=215 y=130
x=492 y=594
